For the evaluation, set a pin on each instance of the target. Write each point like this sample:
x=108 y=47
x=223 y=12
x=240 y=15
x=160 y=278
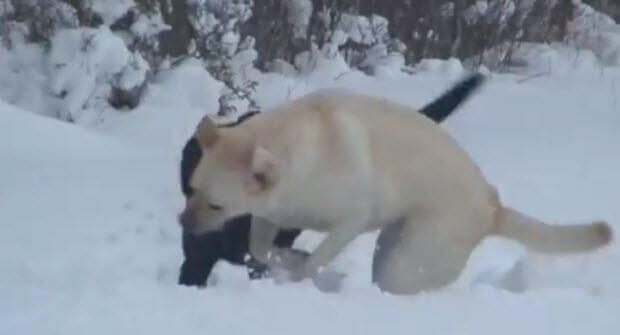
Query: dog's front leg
x=335 y=241
x=262 y=235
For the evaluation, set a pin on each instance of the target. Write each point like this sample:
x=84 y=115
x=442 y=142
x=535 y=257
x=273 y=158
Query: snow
x=23 y=81
x=173 y=105
x=451 y=67
x=110 y=11
x=597 y=32
x=230 y=41
x=89 y=241
x=146 y=25
x=298 y=16
x=6 y=9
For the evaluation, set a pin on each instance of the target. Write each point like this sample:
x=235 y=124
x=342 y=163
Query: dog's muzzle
x=187 y=219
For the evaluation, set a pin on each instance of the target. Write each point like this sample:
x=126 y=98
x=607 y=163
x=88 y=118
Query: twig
x=530 y=77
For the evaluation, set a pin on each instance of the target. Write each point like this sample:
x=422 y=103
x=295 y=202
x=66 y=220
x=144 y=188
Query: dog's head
x=230 y=173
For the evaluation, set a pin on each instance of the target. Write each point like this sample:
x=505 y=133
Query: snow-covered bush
x=87 y=66
x=228 y=56
x=608 y=7
x=34 y=20
x=11 y=31
x=109 y=11
x=597 y=32
x=99 y=52
x=140 y=28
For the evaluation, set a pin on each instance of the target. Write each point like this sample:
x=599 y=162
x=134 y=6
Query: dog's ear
x=206 y=132
x=262 y=173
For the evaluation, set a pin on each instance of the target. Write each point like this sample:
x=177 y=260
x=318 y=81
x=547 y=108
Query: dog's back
x=339 y=136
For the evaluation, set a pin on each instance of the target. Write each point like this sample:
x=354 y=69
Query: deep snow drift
x=89 y=241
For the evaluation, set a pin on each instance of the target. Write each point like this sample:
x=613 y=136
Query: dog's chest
x=315 y=208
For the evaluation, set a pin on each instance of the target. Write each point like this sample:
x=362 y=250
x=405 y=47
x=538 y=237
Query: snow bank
x=103 y=258
x=174 y=102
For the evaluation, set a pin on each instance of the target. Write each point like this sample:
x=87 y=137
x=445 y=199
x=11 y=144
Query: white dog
x=345 y=164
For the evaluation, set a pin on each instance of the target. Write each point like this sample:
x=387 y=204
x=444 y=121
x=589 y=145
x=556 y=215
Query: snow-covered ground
x=89 y=241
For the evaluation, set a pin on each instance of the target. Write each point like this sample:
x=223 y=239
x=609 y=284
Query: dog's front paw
x=328 y=281
x=298 y=273
x=291 y=259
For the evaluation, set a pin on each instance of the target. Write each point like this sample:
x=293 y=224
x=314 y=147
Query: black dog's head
x=192 y=154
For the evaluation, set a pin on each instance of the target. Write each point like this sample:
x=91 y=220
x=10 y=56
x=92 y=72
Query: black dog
x=231 y=243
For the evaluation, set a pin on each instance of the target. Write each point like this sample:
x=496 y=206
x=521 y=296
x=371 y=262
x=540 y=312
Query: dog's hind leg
x=410 y=258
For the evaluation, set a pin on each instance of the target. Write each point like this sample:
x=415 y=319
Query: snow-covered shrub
x=11 y=31
x=140 y=28
x=291 y=30
x=87 y=66
x=298 y=14
x=365 y=42
x=278 y=34
x=109 y=10
x=597 y=32
x=227 y=56
x=608 y=7
x=44 y=17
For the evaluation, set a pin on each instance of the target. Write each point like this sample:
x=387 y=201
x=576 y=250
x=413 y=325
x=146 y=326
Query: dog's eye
x=215 y=207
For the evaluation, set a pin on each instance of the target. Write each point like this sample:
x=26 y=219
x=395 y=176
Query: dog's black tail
x=443 y=106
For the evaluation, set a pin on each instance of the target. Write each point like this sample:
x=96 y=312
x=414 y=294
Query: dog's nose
x=187 y=219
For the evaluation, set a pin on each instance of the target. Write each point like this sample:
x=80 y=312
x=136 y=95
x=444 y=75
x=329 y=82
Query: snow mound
x=84 y=65
x=172 y=106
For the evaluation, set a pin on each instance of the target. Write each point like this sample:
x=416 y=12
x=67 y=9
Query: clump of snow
x=243 y=61
x=175 y=101
x=597 y=32
x=298 y=16
x=148 y=25
x=23 y=77
x=6 y=9
x=475 y=12
x=317 y=63
x=85 y=63
x=133 y=74
x=201 y=19
x=230 y=41
x=50 y=15
x=357 y=28
x=373 y=51
x=108 y=10
x=553 y=58
x=451 y=67
x=389 y=65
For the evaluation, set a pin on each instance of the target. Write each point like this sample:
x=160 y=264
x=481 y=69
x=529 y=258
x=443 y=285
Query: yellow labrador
x=344 y=164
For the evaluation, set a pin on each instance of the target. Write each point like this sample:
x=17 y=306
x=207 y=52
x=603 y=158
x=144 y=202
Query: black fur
x=442 y=107
x=231 y=243
x=189 y=160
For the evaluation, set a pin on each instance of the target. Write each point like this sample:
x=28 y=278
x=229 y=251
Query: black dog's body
x=231 y=244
